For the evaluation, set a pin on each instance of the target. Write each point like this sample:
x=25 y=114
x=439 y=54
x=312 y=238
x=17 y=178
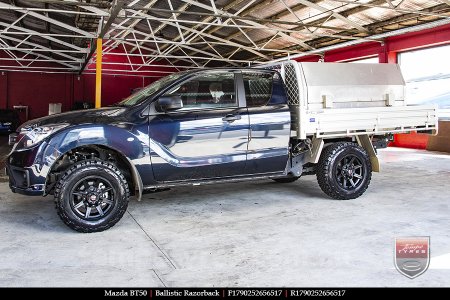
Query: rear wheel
x=92 y=196
x=286 y=179
x=344 y=171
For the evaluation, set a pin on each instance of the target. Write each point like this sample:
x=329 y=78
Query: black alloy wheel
x=350 y=172
x=344 y=171
x=91 y=196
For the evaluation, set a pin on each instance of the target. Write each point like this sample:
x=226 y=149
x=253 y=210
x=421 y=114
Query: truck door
x=208 y=137
x=270 y=122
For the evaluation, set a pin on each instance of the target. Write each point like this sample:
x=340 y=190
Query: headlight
x=29 y=137
x=7 y=124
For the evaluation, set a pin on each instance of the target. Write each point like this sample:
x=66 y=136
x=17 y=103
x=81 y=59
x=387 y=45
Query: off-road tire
x=91 y=169
x=328 y=171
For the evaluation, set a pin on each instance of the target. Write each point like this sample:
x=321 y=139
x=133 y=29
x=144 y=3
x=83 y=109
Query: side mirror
x=168 y=103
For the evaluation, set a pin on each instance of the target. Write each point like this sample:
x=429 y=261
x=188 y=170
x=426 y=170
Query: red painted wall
x=411 y=140
x=114 y=88
x=3 y=89
x=37 y=90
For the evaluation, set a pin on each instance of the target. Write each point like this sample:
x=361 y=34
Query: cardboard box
x=441 y=142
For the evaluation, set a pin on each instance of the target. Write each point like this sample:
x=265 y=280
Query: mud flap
x=139 y=187
x=365 y=142
x=316 y=149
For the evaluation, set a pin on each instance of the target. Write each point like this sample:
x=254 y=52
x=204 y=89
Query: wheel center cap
x=348 y=171
x=92 y=198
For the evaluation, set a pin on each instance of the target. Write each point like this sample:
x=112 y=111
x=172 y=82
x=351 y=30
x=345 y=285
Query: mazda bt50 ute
x=216 y=125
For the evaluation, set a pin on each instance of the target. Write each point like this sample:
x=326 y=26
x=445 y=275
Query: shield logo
x=412 y=255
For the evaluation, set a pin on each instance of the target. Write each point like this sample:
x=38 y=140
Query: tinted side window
x=258 y=88
x=207 y=91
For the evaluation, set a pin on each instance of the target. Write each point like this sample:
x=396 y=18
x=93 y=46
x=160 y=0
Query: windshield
x=152 y=88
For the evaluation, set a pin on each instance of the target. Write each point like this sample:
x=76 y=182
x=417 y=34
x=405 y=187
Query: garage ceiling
x=197 y=34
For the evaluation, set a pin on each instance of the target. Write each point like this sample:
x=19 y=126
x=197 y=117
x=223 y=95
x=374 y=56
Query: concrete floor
x=245 y=234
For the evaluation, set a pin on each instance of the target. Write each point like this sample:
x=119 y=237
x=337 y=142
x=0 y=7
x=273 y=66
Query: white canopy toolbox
x=341 y=99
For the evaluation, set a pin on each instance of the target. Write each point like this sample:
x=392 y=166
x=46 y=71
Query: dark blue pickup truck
x=189 y=128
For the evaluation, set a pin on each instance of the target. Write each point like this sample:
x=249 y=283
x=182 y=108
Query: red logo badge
x=412 y=255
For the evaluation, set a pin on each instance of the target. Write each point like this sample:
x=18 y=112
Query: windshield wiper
x=118 y=105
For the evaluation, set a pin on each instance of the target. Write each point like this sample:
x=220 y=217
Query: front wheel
x=92 y=196
x=344 y=171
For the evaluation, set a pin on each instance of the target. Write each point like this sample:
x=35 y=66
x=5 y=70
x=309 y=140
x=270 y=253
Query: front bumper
x=19 y=182
x=24 y=177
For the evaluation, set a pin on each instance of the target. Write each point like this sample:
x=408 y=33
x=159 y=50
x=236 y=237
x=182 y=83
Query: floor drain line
x=160 y=279
x=153 y=241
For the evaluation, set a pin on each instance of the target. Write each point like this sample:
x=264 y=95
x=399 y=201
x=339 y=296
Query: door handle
x=231 y=118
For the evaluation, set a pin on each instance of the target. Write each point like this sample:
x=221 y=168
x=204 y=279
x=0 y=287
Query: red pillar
x=386 y=56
